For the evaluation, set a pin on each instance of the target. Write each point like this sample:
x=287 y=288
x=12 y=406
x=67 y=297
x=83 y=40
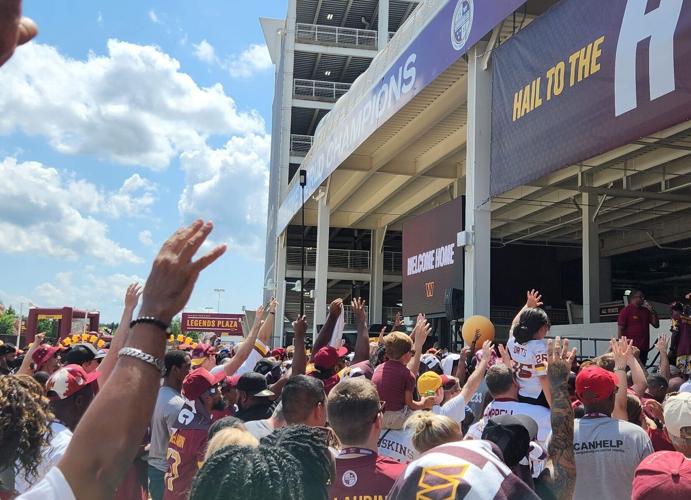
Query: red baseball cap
x=201 y=352
x=328 y=356
x=232 y=381
x=665 y=474
x=43 y=354
x=68 y=381
x=279 y=353
x=198 y=381
x=595 y=384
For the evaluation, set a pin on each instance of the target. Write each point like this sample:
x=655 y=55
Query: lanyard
x=355 y=451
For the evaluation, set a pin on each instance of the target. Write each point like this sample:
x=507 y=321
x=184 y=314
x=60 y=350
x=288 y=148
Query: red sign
x=225 y=324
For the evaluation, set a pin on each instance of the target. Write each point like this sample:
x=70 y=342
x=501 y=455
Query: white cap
x=677 y=413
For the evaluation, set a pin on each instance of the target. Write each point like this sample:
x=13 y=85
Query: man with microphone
x=635 y=320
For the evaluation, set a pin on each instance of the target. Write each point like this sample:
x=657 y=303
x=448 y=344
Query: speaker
x=453 y=303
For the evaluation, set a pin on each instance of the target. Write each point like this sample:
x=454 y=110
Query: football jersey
x=397 y=444
x=501 y=406
x=530 y=362
x=465 y=469
x=366 y=476
x=185 y=457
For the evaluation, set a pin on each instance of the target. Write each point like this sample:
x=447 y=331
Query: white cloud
x=44 y=212
x=205 y=52
x=133 y=106
x=254 y=59
x=230 y=186
x=153 y=17
x=145 y=238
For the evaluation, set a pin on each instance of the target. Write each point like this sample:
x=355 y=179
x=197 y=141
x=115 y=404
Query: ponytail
x=529 y=323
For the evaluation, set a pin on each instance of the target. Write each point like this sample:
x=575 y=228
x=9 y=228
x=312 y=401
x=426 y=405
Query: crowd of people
x=393 y=417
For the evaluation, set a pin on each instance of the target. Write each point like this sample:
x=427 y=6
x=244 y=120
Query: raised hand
x=358 y=307
x=336 y=307
x=300 y=327
x=273 y=303
x=620 y=348
x=397 y=322
x=533 y=299
x=559 y=360
x=259 y=314
x=134 y=291
x=487 y=347
x=422 y=330
x=38 y=340
x=174 y=273
x=505 y=357
x=661 y=343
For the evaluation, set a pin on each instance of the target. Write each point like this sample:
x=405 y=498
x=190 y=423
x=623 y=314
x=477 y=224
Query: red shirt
x=185 y=456
x=393 y=380
x=366 y=476
x=635 y=323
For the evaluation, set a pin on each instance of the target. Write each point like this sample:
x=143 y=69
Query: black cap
x=80 y=354
x=7 y=348
x=265 y=365
x=512 y=434
x=254 y=384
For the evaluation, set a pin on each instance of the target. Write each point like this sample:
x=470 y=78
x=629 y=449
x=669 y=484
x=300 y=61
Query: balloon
x=477 y=329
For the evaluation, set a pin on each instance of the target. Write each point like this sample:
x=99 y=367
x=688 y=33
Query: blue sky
x=120 y=122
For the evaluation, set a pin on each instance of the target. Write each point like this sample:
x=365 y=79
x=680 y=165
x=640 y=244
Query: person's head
x=225 y=423
x=637 y=298
x=303 y=400
x=253 y=390
x=204 y=356
x=451 y=387
x=270 y=368
x=657 y=387
x=290 y=352
x=7 y=353
x=596 y=388
x=45 y=358
x=634 y=410
x=25 y=417
x=429 y=362
x=677 y=413
x=662 y=475
x=230 y=436
x=606 y=361
x=41 y=378
x=533 y=324
x=399 y=347
x=70 y=391
x=675 y=384
x=177 y=366
x=309 y=446
x=329 y=359
x=83 y=355
x=501 y=382
x=512 y=434
x=203 y=387
x=229 y=390
x=354 y=411
x=430 y=430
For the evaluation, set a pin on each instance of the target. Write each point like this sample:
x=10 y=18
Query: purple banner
x=457 y=26
x=585 y=78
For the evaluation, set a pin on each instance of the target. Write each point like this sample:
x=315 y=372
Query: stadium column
x=280 y=290
x=383 y=25
x=376 y=285
x=591 y=253
x=477 y=201
x=322 y=264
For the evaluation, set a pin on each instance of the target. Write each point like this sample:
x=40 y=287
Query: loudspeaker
x=453 y=303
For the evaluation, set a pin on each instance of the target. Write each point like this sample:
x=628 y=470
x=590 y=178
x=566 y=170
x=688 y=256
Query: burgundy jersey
x=185 y=456
x=365 y=476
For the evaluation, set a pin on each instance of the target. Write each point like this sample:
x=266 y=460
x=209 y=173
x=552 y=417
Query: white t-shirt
x=540 y=414
x=259 y=428
x=397 y=445
x=685 y=387
x=53 y=486
x=530 y=362
x=454 y=409
x=49 y=458
x=607 y=454
x=259 y=351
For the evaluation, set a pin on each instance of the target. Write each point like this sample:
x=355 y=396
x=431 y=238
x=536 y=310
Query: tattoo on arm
x=562 y=461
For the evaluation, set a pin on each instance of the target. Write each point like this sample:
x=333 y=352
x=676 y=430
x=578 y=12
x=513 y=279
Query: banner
x=432 y=258
x=457 y=26
x=587 y=77
x=224 y=324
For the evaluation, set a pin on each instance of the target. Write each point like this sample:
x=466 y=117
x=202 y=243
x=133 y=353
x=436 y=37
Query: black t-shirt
x=257 y=412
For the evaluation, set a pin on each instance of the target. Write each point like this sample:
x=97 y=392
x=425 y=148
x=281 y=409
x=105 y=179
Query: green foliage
x=7 y=324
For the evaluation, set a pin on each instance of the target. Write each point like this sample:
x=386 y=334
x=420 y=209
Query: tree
x=7 y=324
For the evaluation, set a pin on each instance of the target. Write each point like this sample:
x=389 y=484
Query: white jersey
x=530 y=362
x=397 y=445
x=540 y=414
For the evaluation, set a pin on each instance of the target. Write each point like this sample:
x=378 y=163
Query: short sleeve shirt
x=540 y=414
x=397 y=445
x=393 y=380
x=50 y=456
x=53 y=486
x=168 y=405
x=185 y=456
x=530 y=360
x=635 y=324
x=369 y=476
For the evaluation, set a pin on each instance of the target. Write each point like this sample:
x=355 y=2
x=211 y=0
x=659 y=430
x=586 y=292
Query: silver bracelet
x=142 y=356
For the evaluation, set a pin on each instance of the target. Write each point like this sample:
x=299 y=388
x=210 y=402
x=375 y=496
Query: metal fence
x=300 y=144
x=354 y=260
x=393 y=261
x=335 y=35
x=319 y=90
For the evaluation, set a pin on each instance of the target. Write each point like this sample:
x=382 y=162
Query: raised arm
x=462 y=367
x=420 y=332
x=127 y=401
x=561 y=461
x=299 y=366
x=664 y=360
x=620 y=349
x=473 y=383
x=640 y=382
x=533 y=299
x=324 y=336
x=362 y=341
x=119 y=339
x=266 y=329
x=25 y=368
x=244 y=350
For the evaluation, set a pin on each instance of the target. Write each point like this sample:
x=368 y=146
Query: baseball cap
x=198 y=381
x=279 y=353
x=512 y=434
x=595 y=384
x=80 y=354
x=44 y=353
x=430 y=361
x=428 y=382
x=7 y=348
x=69 y=380
x=254 y=384
x=448 y=361
x=101 y=353
x=201 y=352
x=266 y=365
x=328 y=356
x=232 y=381
x=677 y=412
x=665 y=474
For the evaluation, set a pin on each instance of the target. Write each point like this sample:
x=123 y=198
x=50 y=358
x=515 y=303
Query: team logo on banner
x=429 y=289
x=461 y=23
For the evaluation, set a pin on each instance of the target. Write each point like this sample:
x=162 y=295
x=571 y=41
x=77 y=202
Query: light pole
x=219 y=291
x=303 y=183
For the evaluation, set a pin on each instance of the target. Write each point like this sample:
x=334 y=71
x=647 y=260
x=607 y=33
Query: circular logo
x=349 y=478
x=462 y=23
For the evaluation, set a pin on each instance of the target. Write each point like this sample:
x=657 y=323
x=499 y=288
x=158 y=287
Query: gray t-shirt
x=607 y=454
x=168 y=405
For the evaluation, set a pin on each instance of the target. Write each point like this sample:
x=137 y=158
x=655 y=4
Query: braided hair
x=529 y=323
x=309 y=446
x=25 y=418
x=245 y=473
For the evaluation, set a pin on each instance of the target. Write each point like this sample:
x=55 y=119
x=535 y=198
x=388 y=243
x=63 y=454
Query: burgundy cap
x=328 y=356
x=201 y=352
x=665 y=474
x=44 y=353
x=233 y=381
x=198 y=381
x=68 y=381
x=595 y=384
